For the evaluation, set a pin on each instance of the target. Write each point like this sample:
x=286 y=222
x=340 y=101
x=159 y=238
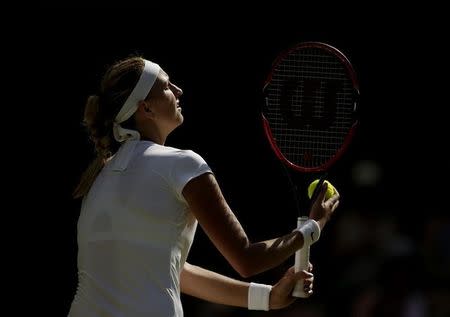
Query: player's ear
x=145 y=109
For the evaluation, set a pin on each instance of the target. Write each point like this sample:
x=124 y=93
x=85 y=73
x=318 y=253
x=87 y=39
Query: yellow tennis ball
x=330 y=189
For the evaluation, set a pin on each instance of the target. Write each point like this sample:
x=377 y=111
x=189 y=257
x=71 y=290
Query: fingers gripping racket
x=309 y=117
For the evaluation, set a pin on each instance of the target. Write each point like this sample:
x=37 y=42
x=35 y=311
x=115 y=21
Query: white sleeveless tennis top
x=135 y=232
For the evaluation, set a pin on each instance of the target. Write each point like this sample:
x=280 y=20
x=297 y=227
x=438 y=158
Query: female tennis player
x=141 y=204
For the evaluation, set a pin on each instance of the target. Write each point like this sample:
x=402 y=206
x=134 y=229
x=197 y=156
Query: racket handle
x=301 y=263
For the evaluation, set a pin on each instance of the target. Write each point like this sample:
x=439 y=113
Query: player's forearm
x=213 y=287
x=261 y=256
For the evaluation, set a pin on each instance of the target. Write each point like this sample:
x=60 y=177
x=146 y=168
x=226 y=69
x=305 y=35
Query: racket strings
x=310 y=106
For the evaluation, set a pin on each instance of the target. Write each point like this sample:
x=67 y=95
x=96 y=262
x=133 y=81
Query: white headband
x=140 y=92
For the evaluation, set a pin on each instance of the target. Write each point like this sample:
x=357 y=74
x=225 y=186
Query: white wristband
x=259 y=296
x=310 y=231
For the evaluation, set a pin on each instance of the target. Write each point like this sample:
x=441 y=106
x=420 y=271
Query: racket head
x=310 y=111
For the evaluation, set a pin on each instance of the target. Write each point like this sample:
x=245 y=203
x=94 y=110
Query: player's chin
x=180 y=118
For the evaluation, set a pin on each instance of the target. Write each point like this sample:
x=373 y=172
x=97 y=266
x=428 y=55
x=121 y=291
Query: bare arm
x=213 y=287
x=206 y=201
x=220 y=289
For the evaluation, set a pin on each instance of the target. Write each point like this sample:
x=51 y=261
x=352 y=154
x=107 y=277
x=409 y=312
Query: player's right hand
x=281 y=294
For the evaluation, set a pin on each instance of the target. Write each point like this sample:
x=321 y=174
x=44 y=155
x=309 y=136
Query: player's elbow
x=249 y=262
x=244 y=268
x=244 y=272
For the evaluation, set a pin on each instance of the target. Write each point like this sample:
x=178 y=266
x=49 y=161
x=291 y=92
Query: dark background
x=386 y=251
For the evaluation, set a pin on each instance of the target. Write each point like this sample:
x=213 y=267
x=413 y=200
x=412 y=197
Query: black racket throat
x=299 y=184
x=317 y=190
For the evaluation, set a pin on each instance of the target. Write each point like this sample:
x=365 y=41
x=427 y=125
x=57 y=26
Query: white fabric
x=135 y=232
x=123 y=156
x=259 y=296
x=310 y=231
x=140 y=92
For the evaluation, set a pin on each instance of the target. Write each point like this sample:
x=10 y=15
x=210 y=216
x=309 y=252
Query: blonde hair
x=100 y=111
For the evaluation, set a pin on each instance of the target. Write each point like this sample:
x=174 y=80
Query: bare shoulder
x=203 y=193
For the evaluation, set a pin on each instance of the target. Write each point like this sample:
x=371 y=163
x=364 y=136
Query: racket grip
x=301 y=263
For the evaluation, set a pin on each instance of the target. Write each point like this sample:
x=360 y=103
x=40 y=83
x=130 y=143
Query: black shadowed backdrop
x=384 y=253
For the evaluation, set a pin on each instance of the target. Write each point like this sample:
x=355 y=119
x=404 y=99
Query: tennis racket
x=309 y=117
